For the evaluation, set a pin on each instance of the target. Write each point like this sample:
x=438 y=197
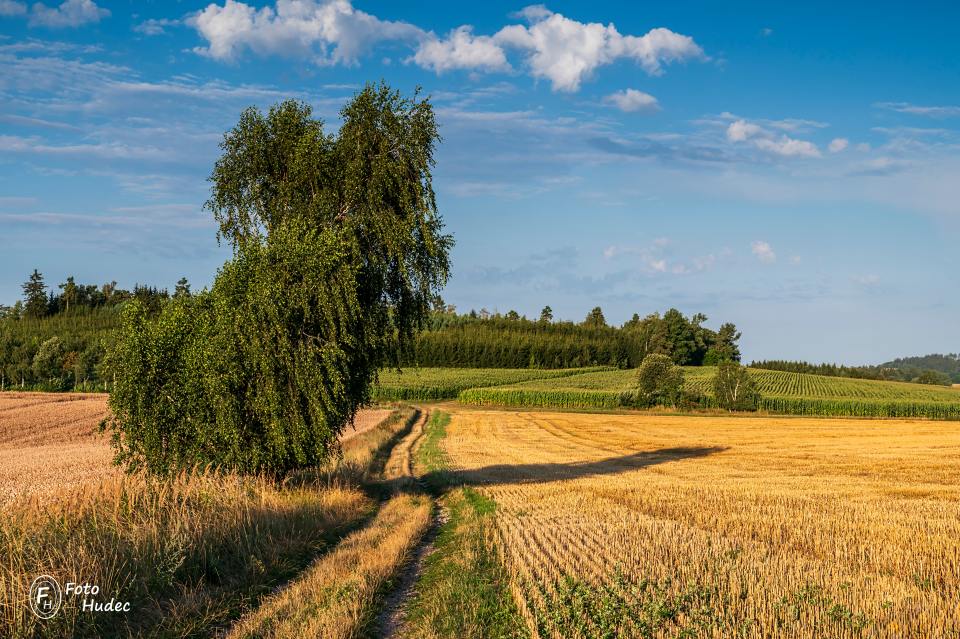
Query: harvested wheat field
x=51 y=441
x=622 y=525
x=364 y=421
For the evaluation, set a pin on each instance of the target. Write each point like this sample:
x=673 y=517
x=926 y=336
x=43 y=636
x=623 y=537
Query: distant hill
x=949 y=364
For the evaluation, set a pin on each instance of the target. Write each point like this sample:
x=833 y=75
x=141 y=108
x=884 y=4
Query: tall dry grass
x=336 y=598
x=186 y=552
x=190 y=552
x=616 y=525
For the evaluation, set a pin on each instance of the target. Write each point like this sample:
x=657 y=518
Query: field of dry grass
x=607 y=525
x=621 y=525
x=189 y=552
x=49 y=442
x=337 y=597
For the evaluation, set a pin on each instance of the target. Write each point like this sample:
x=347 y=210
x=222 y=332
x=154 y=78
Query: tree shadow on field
x=547 y=472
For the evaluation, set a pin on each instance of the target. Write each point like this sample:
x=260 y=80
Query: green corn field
x=425 y=384
x=781 y=392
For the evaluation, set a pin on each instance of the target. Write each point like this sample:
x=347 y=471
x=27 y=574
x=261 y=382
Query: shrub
x=659 y=381
x=734 y=388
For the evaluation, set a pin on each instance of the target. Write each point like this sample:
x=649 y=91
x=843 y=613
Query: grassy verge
x=336 y=598
x=431 y=460
x=463 y=591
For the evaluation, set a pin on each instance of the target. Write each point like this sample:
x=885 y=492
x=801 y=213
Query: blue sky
x=794 y=169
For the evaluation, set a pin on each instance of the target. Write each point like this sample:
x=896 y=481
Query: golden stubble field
x=621 y=525
x=50 y=442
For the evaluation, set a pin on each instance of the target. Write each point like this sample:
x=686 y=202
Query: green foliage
x=83 y=335
x=48 y=362
x=734 y=388
x=183 y=288
x=784 y=384
x=683 y=341
x=241 y=376
x=910 y=367
x=545 y=398
x=425 y=384
x=659 y=381
x=623 y=607
x=595 y=318
x=935 y=378
x=35 y=296
x=337 y=256
x=814 y=605
x=492 y=341
x=936 y=370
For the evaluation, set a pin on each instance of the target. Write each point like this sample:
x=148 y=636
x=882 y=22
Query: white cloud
x=741 y=130
x=561 y=50
x=567 y=52
x=71 y=13
x=881 y=165
x=949 y=111
x=155 y=26
x=12 y=8
x=794 y=125
x=532 y=13
x=838 y=144
x=788 y=147
x=461 y=50
x=766 y=140
x=656 y=257
x=105 y=150
x=296 y=27
x=763 y=251
x=632 y=100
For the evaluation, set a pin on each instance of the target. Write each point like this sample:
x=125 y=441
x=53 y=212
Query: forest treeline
x=56 y=338
x=948 y=364
x=486 y=340
x=931 y=369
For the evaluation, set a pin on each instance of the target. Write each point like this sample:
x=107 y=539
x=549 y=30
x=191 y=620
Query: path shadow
x=547 y=472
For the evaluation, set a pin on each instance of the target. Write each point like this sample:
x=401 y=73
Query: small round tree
x=734 y=388
x=659 y=381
